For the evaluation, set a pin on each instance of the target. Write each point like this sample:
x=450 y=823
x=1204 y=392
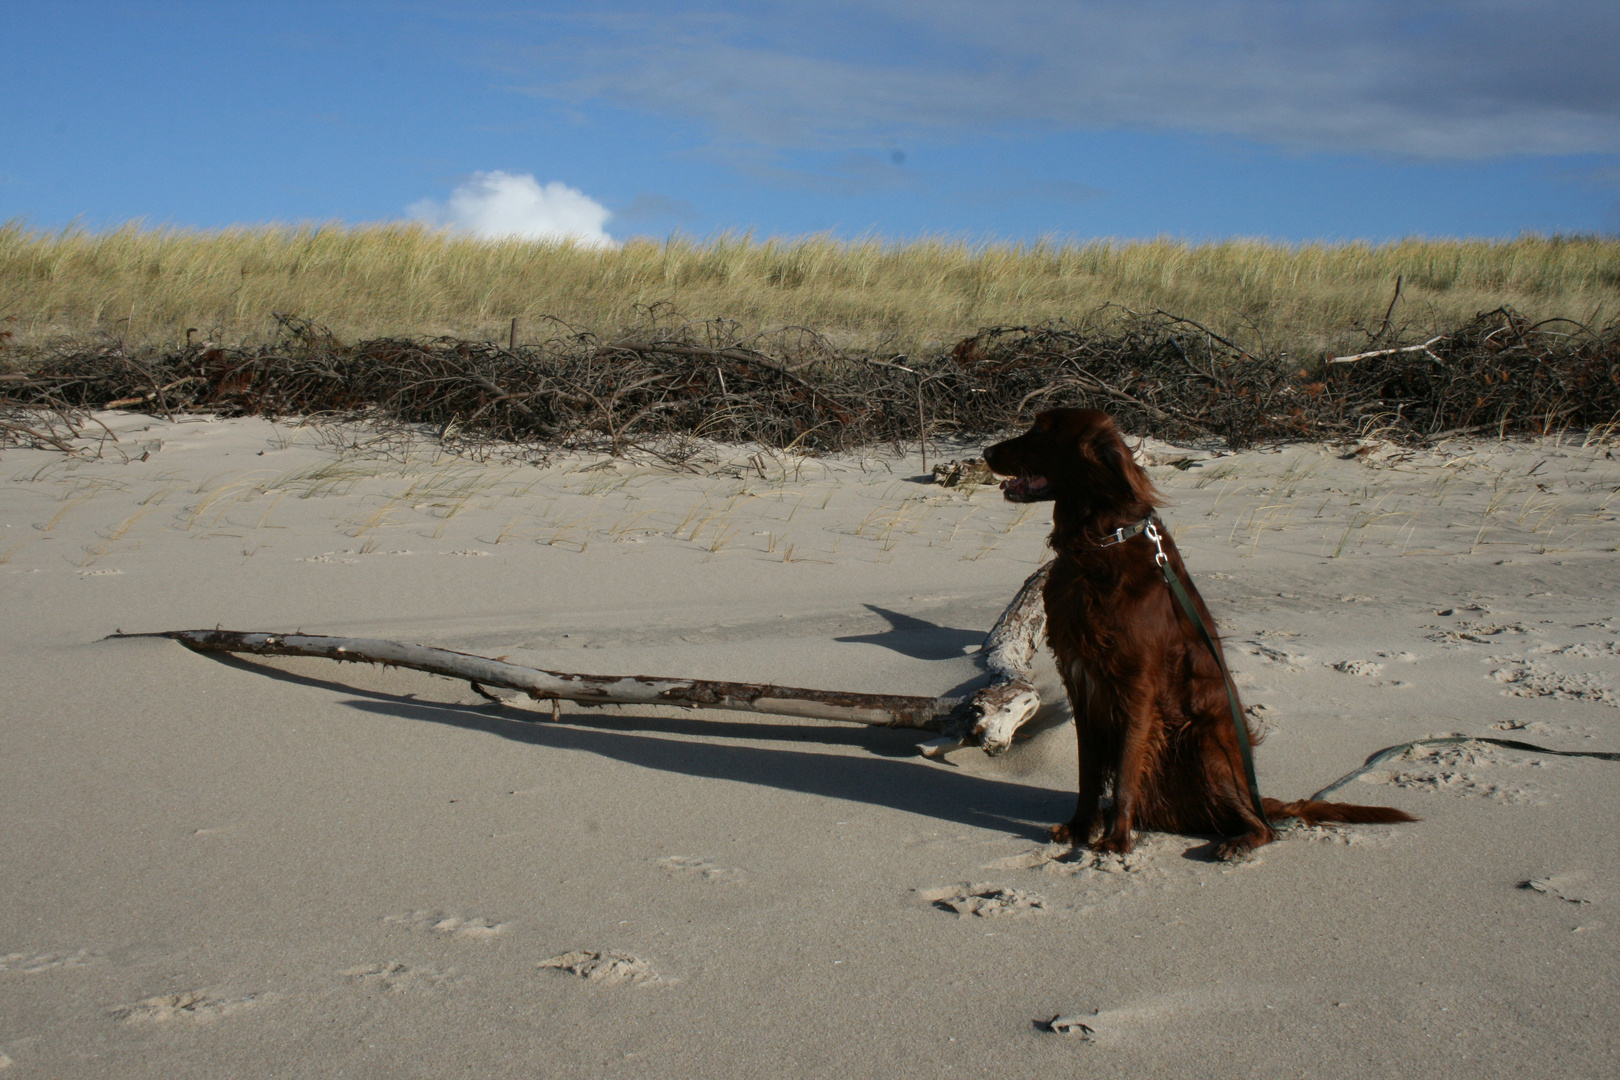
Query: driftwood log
x=988 y=718
x=887 y=710
x=991 y=717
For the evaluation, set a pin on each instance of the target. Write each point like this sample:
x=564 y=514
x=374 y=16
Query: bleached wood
x=1423 y=348
x=888 y=710
x=989 y=719
x=993 y=716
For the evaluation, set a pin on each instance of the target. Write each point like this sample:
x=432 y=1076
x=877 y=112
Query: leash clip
x=1159 y=557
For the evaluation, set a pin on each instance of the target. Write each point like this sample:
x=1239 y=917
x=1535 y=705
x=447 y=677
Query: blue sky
x=1199 y=119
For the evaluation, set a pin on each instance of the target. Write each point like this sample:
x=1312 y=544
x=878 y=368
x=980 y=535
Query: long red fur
x=1150 y=705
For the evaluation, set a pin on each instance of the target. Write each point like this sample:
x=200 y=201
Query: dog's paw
x=1060 y=834
x=1238 y=849
x=1113 y=844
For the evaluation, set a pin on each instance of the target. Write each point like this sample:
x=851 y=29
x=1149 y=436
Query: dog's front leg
x=1091 y=723
x=1141 y=725
x=1079 y=828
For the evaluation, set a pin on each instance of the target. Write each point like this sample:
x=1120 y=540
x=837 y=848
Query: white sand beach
x=219 y=867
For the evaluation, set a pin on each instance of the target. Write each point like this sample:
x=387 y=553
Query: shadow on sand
x=918 y=638
x=890 y=775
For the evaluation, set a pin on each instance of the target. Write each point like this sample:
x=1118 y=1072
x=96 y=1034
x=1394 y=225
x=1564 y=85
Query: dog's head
x=1076 y=457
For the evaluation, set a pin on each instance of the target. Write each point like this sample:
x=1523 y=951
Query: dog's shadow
x=890 y=774
x=917 y=638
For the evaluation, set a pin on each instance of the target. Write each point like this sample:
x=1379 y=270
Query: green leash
x=1179 y=590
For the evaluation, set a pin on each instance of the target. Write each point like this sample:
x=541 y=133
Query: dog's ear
x=1130 y=480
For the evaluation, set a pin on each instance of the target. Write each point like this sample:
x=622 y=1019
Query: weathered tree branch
x=887 y=710
x=989 y=719
x=501 y=395
x=1423 y=348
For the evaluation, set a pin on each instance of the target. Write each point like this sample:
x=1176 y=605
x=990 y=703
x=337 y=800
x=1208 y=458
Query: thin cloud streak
x=1425 y=81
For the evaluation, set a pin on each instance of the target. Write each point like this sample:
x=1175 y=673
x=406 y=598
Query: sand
x=245 y=867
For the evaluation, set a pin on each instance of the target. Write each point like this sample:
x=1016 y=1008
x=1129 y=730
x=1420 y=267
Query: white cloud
x=501 y=205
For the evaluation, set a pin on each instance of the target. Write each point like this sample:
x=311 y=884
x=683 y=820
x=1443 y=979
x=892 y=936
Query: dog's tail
x=1312 y=812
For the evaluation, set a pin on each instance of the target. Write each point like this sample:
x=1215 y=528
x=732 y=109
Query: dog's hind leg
x=1240 y=846
x=1235 y=793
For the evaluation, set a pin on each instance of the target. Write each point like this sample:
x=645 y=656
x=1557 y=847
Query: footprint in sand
x=1586 y=650
x=1263 y=719
x=1538 y=727
x=193 y=1006
x=1528 y=679
x=446 y=925
x=1145 y=859
x=984 y=900
x=1477 y=633
x=1292 y=660
x=1572 y=887
x=1069 y=1025
x=1063 y=861
x=697 y=866
x=1359 y=667
x=1446 y=770
x=1148 y=846
x=1472 y=606
x=1338 y=836
x=49 y=961
x=395 y=977
x=1038 y=859
x=612 y=968
x=329 y=557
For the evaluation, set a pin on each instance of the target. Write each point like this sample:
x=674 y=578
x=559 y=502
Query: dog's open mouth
x=1026 y=488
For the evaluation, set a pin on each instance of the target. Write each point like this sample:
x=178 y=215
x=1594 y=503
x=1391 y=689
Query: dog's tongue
x=1021 y=487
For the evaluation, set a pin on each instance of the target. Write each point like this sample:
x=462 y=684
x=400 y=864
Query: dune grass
x=147 y=286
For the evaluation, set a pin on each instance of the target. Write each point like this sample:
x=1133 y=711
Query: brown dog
x=1150 y=703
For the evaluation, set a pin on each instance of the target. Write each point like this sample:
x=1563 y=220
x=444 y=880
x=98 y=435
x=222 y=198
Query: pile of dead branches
x=1167 y=376
x=1498 y=374
x=1156 y=373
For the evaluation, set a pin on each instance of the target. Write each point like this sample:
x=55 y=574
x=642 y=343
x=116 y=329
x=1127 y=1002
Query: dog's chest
x=1086 y=614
